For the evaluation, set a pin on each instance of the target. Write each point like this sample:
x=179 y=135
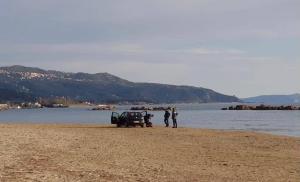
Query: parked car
x=128 y=119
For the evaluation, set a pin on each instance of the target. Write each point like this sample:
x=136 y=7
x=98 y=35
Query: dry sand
x=30 y=152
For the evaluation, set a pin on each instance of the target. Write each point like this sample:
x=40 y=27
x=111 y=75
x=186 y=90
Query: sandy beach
x=60 y=152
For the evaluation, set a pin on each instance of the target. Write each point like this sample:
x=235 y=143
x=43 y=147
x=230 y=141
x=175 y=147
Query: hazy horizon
x=242 y=48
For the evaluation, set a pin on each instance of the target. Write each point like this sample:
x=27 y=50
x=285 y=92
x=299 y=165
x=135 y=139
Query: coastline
x=87 y=152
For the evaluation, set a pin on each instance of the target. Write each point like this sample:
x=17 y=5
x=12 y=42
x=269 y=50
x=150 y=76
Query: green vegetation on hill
x=19 y=83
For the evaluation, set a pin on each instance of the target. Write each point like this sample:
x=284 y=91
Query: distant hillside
x=18 y=83
x=275 y=99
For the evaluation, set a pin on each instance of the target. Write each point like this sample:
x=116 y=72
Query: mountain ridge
x=275 y=99
x=28 y=83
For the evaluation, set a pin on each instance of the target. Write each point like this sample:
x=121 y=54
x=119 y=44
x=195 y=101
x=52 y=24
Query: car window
x=131 y=114
x=114 y=114
x=123 y=114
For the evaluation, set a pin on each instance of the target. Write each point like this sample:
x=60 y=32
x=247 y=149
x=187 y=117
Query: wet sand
x=40 y=152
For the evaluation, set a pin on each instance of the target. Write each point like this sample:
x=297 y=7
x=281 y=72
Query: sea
x=209 y=116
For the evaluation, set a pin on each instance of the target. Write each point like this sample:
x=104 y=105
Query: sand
x=39 y=152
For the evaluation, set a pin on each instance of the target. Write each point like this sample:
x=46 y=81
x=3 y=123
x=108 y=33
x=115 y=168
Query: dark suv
x=128 y=119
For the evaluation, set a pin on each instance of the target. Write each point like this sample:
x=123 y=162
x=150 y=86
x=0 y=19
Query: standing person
x=174 y=118
x=167 y=116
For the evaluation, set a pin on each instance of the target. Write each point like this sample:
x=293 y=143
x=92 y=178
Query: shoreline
x=91 y=152
x=155 y=126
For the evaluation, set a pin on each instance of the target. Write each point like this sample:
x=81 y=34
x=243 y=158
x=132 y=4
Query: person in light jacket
x=174 y=118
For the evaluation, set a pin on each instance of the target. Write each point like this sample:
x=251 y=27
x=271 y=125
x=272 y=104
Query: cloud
x=212 y=43
x=207 y=51
x=72 y=48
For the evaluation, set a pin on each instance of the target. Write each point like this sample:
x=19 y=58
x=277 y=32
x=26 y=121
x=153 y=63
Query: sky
x=236 y=47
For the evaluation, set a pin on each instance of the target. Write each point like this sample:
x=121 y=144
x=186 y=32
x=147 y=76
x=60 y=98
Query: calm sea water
x=190 y=115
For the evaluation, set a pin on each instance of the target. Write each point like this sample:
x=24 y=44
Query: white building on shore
x=4 y=107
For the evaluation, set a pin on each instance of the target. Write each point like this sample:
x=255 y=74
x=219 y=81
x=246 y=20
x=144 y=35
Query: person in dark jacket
x=147 y=119
x=174 y=118
x=167 y=116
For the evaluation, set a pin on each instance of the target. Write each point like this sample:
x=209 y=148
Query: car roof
x=131 y=112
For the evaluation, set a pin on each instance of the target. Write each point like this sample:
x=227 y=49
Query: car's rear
x=136 y=119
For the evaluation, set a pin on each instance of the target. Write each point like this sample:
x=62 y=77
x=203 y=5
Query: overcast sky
x=237 y=47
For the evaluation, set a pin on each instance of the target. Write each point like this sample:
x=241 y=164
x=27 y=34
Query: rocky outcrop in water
x=143 y=108
x=261 y=107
